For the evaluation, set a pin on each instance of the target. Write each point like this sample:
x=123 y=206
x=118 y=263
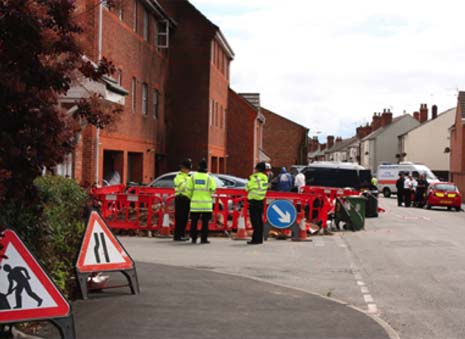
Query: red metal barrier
x=144 y=207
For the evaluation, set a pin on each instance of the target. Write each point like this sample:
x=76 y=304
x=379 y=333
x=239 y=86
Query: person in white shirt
x=299 y=182
x=408 y=188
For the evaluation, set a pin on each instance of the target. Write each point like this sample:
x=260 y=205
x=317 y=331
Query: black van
x=337 y=174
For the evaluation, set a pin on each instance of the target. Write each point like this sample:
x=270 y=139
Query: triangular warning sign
x=26 y=291
x=100 y=250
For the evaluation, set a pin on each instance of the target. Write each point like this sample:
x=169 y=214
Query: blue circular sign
x=281 y=214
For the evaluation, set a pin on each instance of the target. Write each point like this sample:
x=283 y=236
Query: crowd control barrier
x=148 y=208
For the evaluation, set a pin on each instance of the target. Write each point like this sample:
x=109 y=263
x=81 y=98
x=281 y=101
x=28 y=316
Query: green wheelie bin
x=351 y=210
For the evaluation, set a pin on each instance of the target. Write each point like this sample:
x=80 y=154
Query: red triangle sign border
x=62 y=308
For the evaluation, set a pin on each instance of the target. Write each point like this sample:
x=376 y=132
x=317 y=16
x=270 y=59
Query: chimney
x=330 y=141
x=386 y=118
x=423 y=113
x=338 y=140
x=434 y=112
x=363 y=131
x=376 y=121
x=416 y=115
x=322 y=147
x=314 y=144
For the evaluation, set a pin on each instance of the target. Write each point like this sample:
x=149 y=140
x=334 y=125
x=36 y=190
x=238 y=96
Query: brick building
x=135 y=37
x=245 y=133
x=197 y=88
x=284 y=141
x=457 y=145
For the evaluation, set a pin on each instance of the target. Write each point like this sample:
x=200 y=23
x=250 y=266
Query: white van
x=388 y=174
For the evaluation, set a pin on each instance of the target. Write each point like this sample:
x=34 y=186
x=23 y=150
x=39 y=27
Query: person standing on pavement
x=299 y=182
x=408 y=188
x=284 y=181
x=400 y=189
x=202 y=186
x=182 y=200
x=422 y=185
x=256 y=188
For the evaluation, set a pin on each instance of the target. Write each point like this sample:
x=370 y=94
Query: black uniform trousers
x=256 y=217
x=408 y=197
x=400 y=196
x=195 y=216
x=181 y=215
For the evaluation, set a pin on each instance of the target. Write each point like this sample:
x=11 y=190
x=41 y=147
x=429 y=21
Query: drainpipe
x=97 y=136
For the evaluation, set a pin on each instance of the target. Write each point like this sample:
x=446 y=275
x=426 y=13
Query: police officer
x=182 y=200
x=422 y=185
x=256 y=190
x=400 y=189
x=202 y=186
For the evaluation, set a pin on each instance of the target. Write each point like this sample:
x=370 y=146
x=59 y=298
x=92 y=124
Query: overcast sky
x=328 y=65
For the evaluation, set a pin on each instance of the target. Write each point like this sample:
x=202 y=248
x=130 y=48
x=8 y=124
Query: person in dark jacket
x=422 y=186
x=284 y=181
x=400 y=189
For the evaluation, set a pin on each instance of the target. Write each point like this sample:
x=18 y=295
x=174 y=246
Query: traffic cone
x=165 y=227
x=302 y=232
x=241 y=233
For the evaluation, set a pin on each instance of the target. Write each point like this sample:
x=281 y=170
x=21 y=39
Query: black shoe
x=253 y=243
x=205 y=242
x=194 y=240
x=181 y=239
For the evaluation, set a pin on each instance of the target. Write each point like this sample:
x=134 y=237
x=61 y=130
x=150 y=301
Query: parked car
x=231 y=181
x=444 y=194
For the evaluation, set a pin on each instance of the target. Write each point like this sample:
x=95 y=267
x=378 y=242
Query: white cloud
x=330 y=65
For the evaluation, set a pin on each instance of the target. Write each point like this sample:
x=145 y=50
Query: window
x=134 y=17
x=145 y=102
x=133 y=95
x=163 y=32
x=156 y=98
x=212 y=107
x=213 y=52
x=216 y=114
x=155 y=32
x=145 y=31
x=221 y=116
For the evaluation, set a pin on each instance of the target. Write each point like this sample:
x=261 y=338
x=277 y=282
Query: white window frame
x=163 y=35
x=212 y=108
x=133 y=94
x=146 y=26
x=156 y=102
x=134 y=17
x=145 y=98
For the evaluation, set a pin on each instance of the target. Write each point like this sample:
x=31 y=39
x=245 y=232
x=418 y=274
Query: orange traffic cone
x=241 y=231
x=302 y=232
x=165 y=227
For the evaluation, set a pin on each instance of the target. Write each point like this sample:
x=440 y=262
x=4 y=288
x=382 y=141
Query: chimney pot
x=434 y=112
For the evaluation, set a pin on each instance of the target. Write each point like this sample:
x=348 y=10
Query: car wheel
x=386 y=192
x=458 y=208
x=449 y=208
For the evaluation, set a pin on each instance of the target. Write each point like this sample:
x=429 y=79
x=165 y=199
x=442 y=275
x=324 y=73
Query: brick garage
x=197 y=88
x=137 y=142
x=284 y=141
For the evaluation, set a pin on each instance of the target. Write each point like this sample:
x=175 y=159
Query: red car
x=444 y=194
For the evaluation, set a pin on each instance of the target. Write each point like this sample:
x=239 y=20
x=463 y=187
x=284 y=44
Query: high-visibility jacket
x=257 y=186
x=202 y=185
x=180 y=184
x=374 y=181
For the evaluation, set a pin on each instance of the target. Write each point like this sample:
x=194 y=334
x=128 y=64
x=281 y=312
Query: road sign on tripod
x=101 y=251
x=26 y=291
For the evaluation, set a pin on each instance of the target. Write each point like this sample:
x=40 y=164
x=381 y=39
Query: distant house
x=382 y=145
x=428 y=143
x=344 y=150
x=457 y=145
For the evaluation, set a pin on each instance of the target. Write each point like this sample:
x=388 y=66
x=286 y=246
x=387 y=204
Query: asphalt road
x=406 y=267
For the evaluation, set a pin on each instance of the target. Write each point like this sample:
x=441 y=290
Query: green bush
x=52 y=228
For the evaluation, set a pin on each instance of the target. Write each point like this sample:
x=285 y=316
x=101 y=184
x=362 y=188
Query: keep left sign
x=26 y=291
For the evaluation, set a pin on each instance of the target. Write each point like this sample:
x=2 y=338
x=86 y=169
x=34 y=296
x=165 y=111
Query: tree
x=40 y=58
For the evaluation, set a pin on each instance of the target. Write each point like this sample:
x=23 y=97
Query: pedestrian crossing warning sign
x=26 y=291
x=100 y=250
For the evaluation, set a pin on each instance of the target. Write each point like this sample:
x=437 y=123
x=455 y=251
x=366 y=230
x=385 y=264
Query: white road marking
x=364 y=290
x=368 y=298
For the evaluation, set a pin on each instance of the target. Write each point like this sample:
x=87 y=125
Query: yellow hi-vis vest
x=257 y=186
x=202 y=187
x=180 y=184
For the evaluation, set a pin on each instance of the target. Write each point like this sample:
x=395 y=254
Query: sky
x=329 y=65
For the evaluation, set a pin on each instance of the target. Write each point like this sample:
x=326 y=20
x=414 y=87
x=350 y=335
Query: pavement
x=179 y=302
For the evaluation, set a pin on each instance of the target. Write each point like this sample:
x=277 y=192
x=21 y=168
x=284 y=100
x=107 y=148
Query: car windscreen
x=445 y=187
x=331 y=177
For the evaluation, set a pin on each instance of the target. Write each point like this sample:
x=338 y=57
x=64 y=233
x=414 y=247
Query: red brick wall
x=284 y=141
x=134 y=58
x=192 y=83
x=240 y=139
